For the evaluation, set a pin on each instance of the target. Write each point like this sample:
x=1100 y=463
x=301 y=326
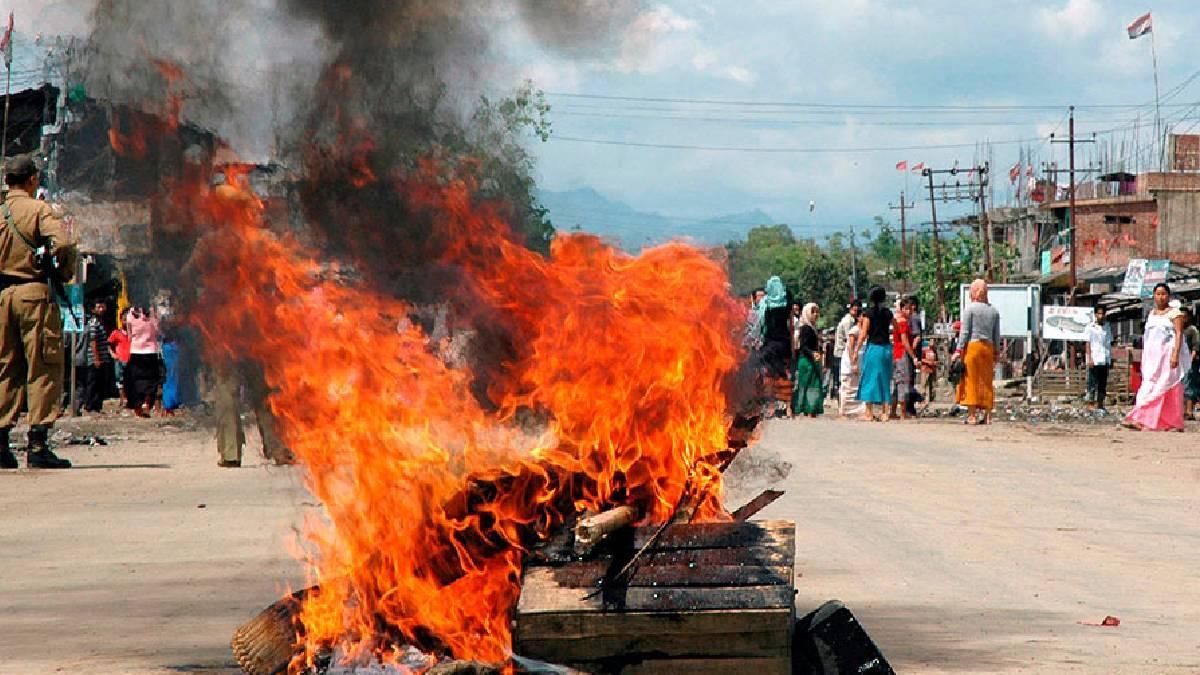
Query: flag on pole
x=918 y=167
x=1140 y=26
x=902 y=166
x=1014 y=173
x=6 y=43
x=1029 y=171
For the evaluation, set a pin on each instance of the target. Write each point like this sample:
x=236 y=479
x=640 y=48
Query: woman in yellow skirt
x=977 y=343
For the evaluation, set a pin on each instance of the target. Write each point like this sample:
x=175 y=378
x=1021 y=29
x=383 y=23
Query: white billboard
x=1018 y=305
x=1066 y=323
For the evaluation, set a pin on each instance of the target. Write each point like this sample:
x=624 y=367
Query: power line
x=816 y=123
x=783 y=150
x=854 y=106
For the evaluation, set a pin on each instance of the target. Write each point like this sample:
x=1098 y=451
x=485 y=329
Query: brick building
x=1157 y=215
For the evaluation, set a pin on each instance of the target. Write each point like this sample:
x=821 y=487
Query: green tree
x=497 y=138
x=962 y=261
x=767 y=251
x=812 y=271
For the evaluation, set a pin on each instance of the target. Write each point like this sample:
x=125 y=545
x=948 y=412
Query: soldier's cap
x=22 y=165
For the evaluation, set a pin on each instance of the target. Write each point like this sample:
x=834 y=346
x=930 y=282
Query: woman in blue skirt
x=875 y=383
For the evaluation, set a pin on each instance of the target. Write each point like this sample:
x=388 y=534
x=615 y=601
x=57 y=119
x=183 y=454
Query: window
x=1118 y=220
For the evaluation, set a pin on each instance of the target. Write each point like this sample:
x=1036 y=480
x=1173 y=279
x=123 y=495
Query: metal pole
x=904 y=207
x=853 y=267
x=1158 y=131
x=7 y=97
x=937 y=252
x=903 y=240
x=1071 y=200
x=74 y=336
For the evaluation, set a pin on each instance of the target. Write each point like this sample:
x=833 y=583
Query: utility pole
x=853 y=267
x=903 y=207
x=985 y=227
x=1071 y=227
x=971 y=195
x=937 y=250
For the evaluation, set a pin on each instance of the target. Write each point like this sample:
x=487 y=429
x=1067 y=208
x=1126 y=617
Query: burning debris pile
x=592 y=386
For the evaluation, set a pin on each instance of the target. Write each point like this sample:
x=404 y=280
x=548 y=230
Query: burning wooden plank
x=591 y=530
x=714 y=597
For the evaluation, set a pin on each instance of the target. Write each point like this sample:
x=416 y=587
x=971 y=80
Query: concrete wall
x=118 y=228
x=1178 y=232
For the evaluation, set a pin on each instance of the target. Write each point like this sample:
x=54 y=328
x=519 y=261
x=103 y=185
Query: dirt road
x=979 y=550
x=960 y=551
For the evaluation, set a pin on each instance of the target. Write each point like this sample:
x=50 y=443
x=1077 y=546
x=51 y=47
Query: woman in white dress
x=848 y=403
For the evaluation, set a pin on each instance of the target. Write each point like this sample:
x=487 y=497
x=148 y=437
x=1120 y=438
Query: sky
x=817 y=98
x=852 y=52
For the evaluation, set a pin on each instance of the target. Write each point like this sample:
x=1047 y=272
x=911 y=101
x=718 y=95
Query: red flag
x=919 y=167
x=1140 y=26
x=902 y=166
x=6 y=42
x=1014 y=173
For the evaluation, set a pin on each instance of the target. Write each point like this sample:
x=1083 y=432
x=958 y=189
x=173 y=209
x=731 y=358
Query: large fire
x=430 y=500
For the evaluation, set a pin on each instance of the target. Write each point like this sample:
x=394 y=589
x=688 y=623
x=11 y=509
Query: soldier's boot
x=7 y=459
x=39 y=453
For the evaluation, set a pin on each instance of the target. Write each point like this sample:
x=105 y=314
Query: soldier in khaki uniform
x=31 y=326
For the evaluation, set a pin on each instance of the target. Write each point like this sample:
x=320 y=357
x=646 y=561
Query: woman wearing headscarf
x=777 y=341
x=977 y=343
x=848 y=372
x=875 y=369
x=1165 y=360
x=808 y=396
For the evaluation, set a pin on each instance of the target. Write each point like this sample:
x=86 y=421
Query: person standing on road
x=777 y=342
x=1099 y=359
x=807 y=391
x=875 y=366
x=917 y=330
x=1191 y=385
x=841 y=337
x=903 y=357
x=977 y=349
x=98 y=374
x=35 y=251
x=752 y=339
x=143 y=372
x=848 y=370
x=118 y=343
x=1165 y=359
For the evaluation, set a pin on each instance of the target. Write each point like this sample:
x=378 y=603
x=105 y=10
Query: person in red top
x=119 y=345
x=903 y=358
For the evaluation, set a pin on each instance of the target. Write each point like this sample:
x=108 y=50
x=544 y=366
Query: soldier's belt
x=7 y=281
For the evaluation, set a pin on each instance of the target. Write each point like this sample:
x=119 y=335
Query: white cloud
x=1074 y=20
x=738 y=74
x=645 y=46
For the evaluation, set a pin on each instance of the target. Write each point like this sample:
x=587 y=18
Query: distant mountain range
x=584 y=209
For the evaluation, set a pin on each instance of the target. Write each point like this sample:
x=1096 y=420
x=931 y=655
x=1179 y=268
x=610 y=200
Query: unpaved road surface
x=962 y=550
x=985 y=549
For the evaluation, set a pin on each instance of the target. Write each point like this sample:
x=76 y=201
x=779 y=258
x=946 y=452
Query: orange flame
x=430 y=501
x=154 y=124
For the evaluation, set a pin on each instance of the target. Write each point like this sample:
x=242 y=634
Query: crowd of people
x=132 y=357
x=873 y=367
x=879 y=365
x=133 y=360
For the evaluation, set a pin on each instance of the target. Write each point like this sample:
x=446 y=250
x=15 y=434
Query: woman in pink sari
x=1165 y=361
